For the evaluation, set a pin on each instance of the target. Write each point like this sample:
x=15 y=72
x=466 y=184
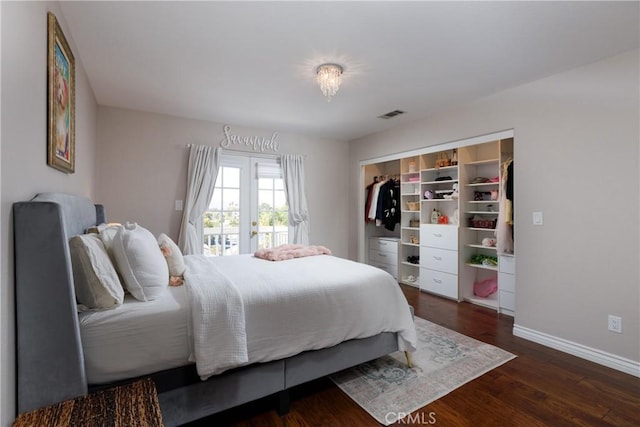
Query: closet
x=382 y=235
x=450 y=240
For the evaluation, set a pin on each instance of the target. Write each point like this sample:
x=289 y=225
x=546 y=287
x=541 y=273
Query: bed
x=62 y=354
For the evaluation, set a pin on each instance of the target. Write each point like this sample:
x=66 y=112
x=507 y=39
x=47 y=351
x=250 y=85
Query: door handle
x=253 y=233
x=254 y=223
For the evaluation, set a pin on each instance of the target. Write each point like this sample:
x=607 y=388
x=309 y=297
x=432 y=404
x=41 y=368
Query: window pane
x=265 y=219
x=281 y=219
x=216 y=200
x=278 y=184
x=231 y=220
x=265 y=200
x=231 y=177
x=280 y=200
x=231 y=199
x=265 y=183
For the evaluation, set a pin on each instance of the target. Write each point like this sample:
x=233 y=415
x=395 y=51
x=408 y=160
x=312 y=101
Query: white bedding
x=136 y=338
x=288 y=307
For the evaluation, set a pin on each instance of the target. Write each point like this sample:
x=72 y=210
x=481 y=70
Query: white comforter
x=247 y=310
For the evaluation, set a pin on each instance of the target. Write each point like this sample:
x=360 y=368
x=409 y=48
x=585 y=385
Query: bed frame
x=49 y=356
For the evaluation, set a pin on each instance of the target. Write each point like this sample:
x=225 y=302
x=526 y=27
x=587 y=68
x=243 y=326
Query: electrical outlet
x=615 y=324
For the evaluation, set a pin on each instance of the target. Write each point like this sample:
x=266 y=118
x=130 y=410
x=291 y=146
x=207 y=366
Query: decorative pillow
x=140 y=262
x=175 y=260
x=95 y=279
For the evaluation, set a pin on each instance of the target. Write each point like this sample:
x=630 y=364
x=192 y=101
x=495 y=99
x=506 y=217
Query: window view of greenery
x=273 y=213
x=222 y=221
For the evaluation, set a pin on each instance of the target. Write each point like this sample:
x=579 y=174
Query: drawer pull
x=382 y=243
x=437 y=258
x=437 y=234
x=382 y=255
x=437 y=280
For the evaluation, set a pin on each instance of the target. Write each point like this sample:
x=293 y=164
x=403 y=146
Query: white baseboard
x=594 y=355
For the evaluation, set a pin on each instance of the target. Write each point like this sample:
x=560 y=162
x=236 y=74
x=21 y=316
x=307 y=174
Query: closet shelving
x=481 y=204
x=437 y=192
x=439 y=187
x=410 y=222
x=437 y=256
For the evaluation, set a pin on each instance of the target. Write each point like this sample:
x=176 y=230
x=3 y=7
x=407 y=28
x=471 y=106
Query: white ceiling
x=253 y=63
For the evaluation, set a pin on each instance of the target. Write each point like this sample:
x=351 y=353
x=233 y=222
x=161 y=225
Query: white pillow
x=95 y=279
x=108 y=234
x=173 y=255
x=140 y=262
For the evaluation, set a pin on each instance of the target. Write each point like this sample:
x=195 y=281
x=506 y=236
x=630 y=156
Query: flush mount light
x=329 y=77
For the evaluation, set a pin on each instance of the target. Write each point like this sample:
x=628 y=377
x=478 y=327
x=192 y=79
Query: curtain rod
x=249 y=153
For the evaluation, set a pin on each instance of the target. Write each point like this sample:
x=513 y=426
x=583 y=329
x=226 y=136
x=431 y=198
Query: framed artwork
x=61 y=100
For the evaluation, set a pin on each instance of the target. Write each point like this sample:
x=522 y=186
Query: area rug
x=445 y=360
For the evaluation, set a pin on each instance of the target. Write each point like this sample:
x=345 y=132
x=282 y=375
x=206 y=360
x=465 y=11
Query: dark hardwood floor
x=541 y=387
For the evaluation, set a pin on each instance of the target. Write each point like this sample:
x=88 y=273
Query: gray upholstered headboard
x=50 y=363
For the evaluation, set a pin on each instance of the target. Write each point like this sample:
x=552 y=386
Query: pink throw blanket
x=283 y=252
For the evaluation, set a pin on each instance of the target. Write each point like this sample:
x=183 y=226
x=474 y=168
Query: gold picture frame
x=61 y=99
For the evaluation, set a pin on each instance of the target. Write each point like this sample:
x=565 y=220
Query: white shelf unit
x=383 y=253
x=480 y=200
x=439 y=260
x=507 y=284
x=437 y=190
x=408 y=273
x=447 y=271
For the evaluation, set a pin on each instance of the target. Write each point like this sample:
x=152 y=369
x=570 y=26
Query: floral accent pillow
x=174 y=258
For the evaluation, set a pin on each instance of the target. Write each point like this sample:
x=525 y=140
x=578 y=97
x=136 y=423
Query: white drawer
x=439 y=236
x=507 y=264
x=439 y=259
x=507 y=300
x=444 y=284
x=391 y=269
x=506 y=282
x=383 y=257
x=383 y=245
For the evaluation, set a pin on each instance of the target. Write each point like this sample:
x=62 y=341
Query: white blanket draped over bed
x=247 y=310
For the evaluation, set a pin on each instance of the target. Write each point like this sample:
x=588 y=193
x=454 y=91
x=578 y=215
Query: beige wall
x=24 y=156
x=142 y=170
x=577 y=160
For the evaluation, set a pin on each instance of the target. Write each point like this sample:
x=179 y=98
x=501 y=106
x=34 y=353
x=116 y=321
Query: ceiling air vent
x=391 y=114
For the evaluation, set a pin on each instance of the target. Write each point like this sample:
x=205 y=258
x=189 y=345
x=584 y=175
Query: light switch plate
x=537 y=218
x=178 y=205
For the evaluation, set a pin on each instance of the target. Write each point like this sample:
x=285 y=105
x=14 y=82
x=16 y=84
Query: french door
x=248 y=210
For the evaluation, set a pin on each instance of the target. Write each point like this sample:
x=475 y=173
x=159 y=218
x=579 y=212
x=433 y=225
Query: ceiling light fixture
x=329 y=78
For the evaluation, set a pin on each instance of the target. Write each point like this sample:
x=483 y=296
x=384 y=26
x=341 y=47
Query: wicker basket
x=413 y=206
x=482 y=222
x=414 y=223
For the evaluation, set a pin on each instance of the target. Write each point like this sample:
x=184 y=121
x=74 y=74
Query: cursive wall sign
x=258 y=143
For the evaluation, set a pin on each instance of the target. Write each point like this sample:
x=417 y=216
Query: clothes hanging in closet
x=504 y=227
x=373 y=193
x=382 y=202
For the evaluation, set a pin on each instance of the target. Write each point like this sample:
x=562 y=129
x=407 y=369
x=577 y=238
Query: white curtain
x=294 y=184
x=204 y=162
